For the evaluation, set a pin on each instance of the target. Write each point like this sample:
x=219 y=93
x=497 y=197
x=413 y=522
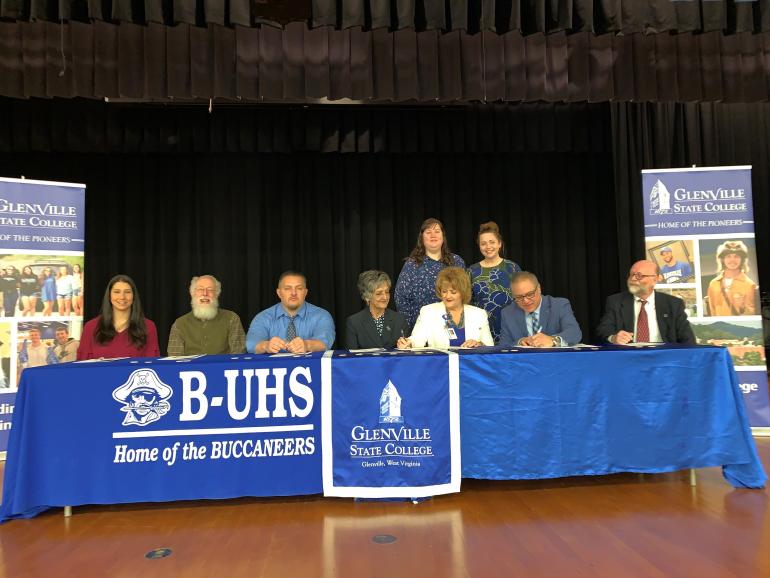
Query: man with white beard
x=643 y=315
x=206 y=329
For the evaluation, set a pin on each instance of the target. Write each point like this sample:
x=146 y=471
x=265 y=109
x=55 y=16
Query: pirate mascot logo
x=143 y=397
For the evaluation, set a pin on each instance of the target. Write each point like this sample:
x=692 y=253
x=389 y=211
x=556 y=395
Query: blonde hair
x=456 y=278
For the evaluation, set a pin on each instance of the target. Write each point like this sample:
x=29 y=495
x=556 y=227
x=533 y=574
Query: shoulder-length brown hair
x=418 y=253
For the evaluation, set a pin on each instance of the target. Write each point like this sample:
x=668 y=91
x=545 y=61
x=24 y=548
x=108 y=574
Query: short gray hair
x=368 y=281
x=524 y=276
x=195 y=280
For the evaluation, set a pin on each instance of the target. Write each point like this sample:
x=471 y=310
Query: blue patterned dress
x=491 y=288
x=416 y=286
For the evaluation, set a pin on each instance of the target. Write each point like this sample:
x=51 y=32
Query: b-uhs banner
x=41 y=280
x=699 y=229
x=395 y=432
x=169 y=429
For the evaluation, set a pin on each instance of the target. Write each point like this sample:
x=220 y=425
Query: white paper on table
x=369 y=350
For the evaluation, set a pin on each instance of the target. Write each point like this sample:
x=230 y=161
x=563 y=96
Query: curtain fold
x=90 y=126
x=526 y=16
x=46 y=59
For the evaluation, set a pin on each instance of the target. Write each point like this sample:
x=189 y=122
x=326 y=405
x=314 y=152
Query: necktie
x=642 y=328
x=535 y=323
x=291 y=330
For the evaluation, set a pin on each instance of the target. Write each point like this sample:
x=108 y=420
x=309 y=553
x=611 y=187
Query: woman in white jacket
x=452 y=322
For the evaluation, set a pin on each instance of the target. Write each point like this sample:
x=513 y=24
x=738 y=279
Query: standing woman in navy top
x=416 y=285
x=122 y=329
x=48 y=290
x=491 y=277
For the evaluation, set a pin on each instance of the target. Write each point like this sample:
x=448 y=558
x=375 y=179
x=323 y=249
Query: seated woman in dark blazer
x=375 y=325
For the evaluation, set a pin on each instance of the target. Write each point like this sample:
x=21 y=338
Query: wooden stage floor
x=611 y=526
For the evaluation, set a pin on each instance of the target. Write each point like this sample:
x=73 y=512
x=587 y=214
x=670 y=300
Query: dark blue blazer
x=672 y=320
x=361 y=332
x=556 y=319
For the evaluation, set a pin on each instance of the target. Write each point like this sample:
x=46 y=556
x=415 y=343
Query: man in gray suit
x=535 y=319
x=642 y=314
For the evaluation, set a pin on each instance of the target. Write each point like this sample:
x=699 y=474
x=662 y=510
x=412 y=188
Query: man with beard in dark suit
x=642 y=314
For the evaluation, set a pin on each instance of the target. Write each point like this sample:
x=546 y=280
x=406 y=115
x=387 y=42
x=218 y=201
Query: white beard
x=634 y=289
x=205 y=312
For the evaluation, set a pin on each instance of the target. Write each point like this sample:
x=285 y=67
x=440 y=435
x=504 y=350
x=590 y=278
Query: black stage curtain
x=247 y=192
x=246 y=216
x=626 y=16
x=297 y=64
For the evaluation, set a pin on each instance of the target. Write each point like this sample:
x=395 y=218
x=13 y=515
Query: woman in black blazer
x=375 y=325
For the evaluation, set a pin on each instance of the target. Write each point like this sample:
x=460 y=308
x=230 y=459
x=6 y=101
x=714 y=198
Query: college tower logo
x=390 y=405
x=660 y=199
x=143 y=397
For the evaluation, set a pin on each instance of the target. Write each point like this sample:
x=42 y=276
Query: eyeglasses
x=205 y=290
x=639 y=276
x=526 y=296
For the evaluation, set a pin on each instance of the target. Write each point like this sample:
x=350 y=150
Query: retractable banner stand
x=699 y=228
x=42 y=237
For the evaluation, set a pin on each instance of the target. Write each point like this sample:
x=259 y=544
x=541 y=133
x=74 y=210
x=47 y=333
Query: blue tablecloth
x=525 y=414
x=548 y=414
x=73 y=441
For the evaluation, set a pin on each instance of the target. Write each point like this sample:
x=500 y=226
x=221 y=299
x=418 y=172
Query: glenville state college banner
x=699 y=225
x=395 y=427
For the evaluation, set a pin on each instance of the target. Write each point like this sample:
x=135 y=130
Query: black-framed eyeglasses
x=639 y=276
x=526 y=296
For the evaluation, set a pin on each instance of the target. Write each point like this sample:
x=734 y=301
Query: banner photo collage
x=699 y=229
x=42 y=241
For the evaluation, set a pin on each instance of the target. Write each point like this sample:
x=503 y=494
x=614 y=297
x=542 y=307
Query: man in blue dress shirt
x=291 y=325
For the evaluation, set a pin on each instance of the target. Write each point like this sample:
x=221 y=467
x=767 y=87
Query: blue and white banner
x=167 y=429
x=753 y=385
x=698 y=201
x=42 y=239
x=41 y=215
x=391 y=424
x=699 y=229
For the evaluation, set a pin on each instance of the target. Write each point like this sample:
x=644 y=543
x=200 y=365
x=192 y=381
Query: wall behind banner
x=42 y=238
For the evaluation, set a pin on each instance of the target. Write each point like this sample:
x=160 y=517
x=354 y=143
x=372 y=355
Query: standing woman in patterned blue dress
x=491 y=277
x=416 y=285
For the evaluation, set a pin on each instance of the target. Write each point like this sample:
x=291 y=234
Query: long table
x=549 y=414
x=523 y=414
